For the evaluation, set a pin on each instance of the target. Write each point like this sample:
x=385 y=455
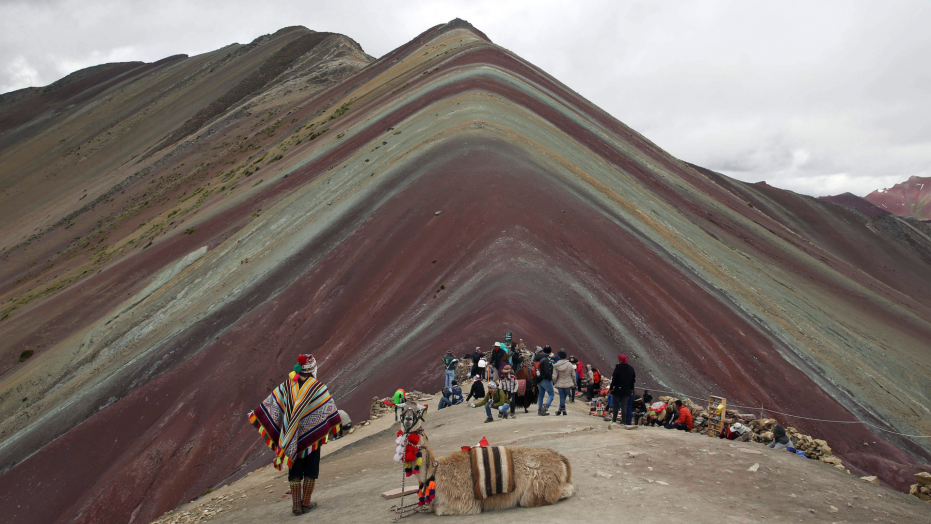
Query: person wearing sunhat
x=509 y=387
x=495 y=398
x=295 y=420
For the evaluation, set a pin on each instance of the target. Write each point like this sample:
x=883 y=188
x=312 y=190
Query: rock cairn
x=379 y=408
x=922 y=489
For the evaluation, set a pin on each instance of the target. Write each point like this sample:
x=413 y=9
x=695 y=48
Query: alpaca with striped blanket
x=489 y=478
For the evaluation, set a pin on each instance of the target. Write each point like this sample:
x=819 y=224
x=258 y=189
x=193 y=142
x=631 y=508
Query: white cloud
x=19 y=74
x=816 y=97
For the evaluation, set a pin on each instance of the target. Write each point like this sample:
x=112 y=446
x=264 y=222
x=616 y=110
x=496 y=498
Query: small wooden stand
x=716 y=423
x=395 y=493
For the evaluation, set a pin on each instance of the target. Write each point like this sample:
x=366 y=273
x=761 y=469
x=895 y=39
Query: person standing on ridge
x=622 y=387
x=449 y=363
x=497 y=357
x=580 y=370
x=516 y=358
x=509 y=387
x=475 y=358
x=296 y=419
x=545 y=382
x=563 y=380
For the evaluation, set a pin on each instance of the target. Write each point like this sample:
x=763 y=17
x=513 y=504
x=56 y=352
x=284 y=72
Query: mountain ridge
x=379 y=213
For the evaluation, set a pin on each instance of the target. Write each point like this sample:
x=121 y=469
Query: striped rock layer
x=299 y=196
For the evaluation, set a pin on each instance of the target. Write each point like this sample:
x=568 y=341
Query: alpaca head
x=412 y=417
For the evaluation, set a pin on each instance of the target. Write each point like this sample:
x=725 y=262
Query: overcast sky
x=817 y=97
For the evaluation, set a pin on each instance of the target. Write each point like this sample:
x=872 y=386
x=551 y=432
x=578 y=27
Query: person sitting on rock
x=780 y=439
x=345 y=424
x=495 y=398
x=647 y=397
x=683 y=421
x=451 y=397
x=639 y=411
x=478 y=390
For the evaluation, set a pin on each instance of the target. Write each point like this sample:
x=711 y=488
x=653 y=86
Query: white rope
x=761 y=408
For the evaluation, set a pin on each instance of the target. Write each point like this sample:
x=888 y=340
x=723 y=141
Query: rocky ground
x=645 y=474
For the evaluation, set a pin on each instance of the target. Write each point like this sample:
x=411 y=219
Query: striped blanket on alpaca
x=492 y=471
x=296 y=419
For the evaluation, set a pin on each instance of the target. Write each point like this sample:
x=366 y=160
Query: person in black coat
x=622 y=387
x=475 y=358
x=478 y=389
x=516 y=358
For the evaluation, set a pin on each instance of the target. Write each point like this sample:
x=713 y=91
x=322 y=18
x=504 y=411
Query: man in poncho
x=295 y=420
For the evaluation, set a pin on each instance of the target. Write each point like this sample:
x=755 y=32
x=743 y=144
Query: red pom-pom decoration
x=414 y=439
x=302 y=359
x=409 y=456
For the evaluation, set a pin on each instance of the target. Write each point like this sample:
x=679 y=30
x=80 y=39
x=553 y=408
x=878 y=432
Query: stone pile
x=206 y=509
x=762 y=432
x=379 y=407
x=922 y=489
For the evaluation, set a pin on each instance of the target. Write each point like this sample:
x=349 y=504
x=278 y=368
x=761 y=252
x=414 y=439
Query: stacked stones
x=922 y=489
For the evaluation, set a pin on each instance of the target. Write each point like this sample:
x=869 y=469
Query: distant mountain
x=849 y=199
x=909 y=198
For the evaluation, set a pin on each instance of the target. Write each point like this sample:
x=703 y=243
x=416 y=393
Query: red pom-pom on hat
x=302 y=359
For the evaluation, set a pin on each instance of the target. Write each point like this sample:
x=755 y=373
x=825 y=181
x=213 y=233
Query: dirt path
x=645 y=475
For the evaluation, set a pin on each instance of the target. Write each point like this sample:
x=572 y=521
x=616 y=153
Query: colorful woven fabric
x=521 y=388
x=296 y=419
x=492 y=471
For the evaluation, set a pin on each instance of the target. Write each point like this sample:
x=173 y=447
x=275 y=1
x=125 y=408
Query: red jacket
x=685 y=417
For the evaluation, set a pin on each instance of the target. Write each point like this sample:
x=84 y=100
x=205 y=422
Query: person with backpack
x=544 y=379
x=563 y=380
x=451 y=397
x=622 y=387
x=449 y=363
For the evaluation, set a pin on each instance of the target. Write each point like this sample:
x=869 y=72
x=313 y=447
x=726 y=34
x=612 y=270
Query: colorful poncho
x=296 y=419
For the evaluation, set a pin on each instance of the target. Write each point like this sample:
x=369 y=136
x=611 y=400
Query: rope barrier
x=762 y=409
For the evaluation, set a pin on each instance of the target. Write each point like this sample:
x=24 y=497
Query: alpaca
x=542 y=476
x=529 y=398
